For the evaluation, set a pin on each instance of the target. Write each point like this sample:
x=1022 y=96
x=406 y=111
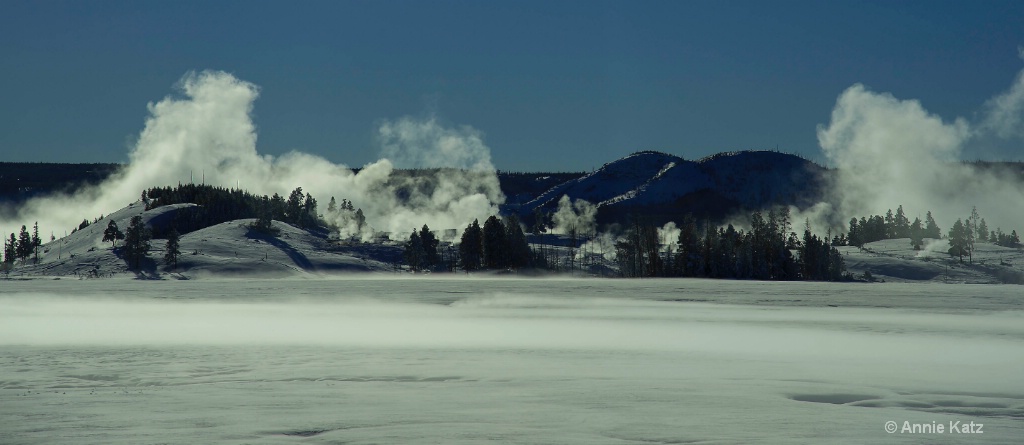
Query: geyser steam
x=891 y=152
x=208 y=131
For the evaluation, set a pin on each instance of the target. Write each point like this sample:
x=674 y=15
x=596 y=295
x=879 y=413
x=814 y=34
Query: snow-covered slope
x=646 y=180
x=895 y=260
x=225 y=249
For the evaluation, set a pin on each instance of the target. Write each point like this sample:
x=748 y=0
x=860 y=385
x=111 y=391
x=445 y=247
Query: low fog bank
x=520 y=321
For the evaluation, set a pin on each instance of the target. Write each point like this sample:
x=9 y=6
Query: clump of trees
x=218 y=205
x=891 y=226
x=496 y=245
x=768 y=251
x=23 y=246
x=421 y=250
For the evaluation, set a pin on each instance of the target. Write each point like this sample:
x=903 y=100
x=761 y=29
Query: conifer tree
x=518 y=248
x=112 y=234
x=24 y=244
x=983 y=233
x=958 y=240
x=902 y=224
x=916 y=234
x=36 y=242
x=136 y=242
x=414 y=254
x=172 y=251
x=495 y=244
x=10 y=250
x=855 y=237
x=294 y=207
x=430 y=243
x=471 y=247
x=931 y=230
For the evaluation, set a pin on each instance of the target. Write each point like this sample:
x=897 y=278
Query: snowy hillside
x=661 y=183
x=895 y=260
x=225 y=249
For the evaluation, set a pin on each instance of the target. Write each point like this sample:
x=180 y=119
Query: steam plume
x=208 y=130
x=890 y=152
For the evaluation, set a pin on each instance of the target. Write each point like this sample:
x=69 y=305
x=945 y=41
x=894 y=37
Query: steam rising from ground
x=207 y=134
x=891 y=152
x=577 y=216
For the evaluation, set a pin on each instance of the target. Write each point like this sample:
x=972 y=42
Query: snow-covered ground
x=227 y=249
x=375 y=359
x=896 y=260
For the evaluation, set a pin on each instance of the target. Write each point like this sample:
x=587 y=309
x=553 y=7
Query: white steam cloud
x=579 y=216
x=207 y=134
x=891 y=152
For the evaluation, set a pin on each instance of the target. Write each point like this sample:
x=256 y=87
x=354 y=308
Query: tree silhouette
x=471 y=247
x=112 y=234
x=172 y=252
x=136 y=242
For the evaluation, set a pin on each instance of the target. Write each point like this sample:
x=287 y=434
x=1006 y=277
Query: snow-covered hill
x=895 y=260
x=660 y=183
x=225 y=249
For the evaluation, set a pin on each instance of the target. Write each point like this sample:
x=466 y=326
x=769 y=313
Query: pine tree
x=293 y=207
x=518 y=248
x=495 y=244
x=902 y=224
x=25 y=246
x=264 y=216
x=414 y=254
x=958 y=240
x=430 y=243
x=983 y=233
x=112 y=234
x=916 y=234
x=172 y=252
x=471 y=247
x=10 y=249
x=969 y=232
x=36 y=242
x=309 y=214
x=687 y=254
x=136 y=242
x=931 y=230
x=890 y=225
x=855 y=237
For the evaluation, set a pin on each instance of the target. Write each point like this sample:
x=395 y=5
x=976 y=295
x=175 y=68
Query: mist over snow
x=206 y=133
x=526 y=361
x=891 y=151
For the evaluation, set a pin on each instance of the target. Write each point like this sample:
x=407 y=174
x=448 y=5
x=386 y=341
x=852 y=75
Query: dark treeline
x=768 y=251
x=962 y=237
x=218 y=205
x=24 y=180
x=498 y=245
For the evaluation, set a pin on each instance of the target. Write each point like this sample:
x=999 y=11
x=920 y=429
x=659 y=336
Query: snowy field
x=382 y=360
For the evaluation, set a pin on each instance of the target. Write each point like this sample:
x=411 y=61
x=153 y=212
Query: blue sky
x=553 y=85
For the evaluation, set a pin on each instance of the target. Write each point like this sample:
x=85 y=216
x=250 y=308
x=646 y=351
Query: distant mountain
x=665 y=187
